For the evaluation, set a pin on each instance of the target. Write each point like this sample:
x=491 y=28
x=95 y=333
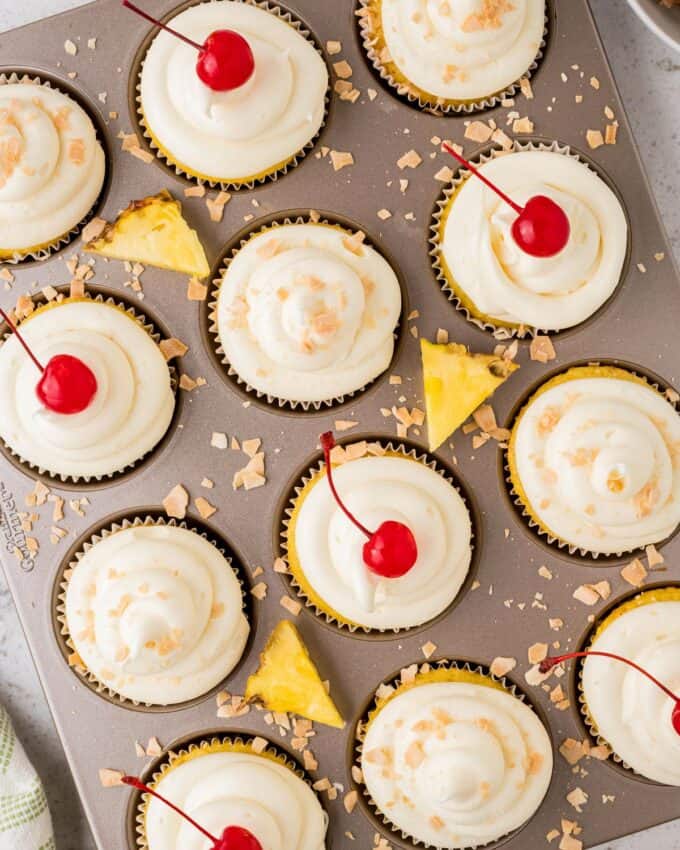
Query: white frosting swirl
x=463 y=49
x=156 y=614
x=328 y=546
x=236 y=789
x=130 y=412
x=239 y=134
x=455 y=764
x=597 y=458
x=507 y=284
x=51 y=166
x=303 y=317
x=631 y=713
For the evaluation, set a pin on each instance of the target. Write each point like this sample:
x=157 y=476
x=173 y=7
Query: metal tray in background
x=639 y=325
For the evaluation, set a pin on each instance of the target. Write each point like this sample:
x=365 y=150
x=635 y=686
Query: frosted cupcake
x=223 y=783
x=623 y=708
x=453 y=758
x=154 y=613
x=326 y=551
x=246 y=134
x=306 y=313
x=498 y=284
x=448 y=55
x=128 y=408
x=52 y=168
x=593 y=461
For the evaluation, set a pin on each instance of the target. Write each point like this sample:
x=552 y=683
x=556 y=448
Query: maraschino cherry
x=225 y=60
x=232 y=838
x=391 y=551
x=541 y=228
x=67 y=385
x=552 y=661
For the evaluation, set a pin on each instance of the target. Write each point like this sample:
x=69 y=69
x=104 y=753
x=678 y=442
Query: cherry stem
x=328 y=443
x=140 y=786
x=146 y=16
x=21 y=339
x=548 y=663
x=478 y=173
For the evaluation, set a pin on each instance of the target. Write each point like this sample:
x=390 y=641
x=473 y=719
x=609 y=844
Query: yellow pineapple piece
x=456 y=383
x=287 y=679
x=152 y=231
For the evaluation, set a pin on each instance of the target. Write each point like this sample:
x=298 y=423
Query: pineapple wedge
x=456 y=383
x=152 y=231
x=287 y=679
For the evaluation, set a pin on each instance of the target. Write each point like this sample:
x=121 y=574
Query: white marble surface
x=648 y=74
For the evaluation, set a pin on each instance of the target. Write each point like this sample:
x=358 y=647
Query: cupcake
x=592 y=461
x=494 y=281
x=623 y=708
x=326 y=551
x=453 y=758
x=52 y=168
x=127 y=411
x=244 y=135
x=306 y=313
x=222 y=783
x=154 y=613
x=449 y=55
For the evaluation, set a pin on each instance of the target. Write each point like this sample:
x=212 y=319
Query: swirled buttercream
x=130 y=412
x=325 y=548
x=307 y=313
x=155 y=612
x=631 y=713
x=51 y=166
x=462 y=50
x=498 y=280
x=456 y=764
x=594 y=457
x=240 y=134
x=221 y=789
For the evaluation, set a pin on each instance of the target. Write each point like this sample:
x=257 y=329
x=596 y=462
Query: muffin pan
x=638 y=326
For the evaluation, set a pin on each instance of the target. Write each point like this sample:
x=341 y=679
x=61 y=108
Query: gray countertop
x=648 y=74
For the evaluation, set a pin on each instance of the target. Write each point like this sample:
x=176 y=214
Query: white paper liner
x=213 y=329
x=230 y=185
x=290 y=580
x=557 y=542
x=83 y=480
x=440 y=106
x=59 y=612
x=64 y=239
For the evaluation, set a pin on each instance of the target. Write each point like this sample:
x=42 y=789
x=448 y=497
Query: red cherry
x=541 y=228
x=67 y=385
x=552 y=661
x=391 y=551
x=225 y=60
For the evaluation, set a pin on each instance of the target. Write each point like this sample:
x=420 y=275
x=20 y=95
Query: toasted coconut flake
x=537 y=652
x=93 y=229
x=587 y=594
x=333 y=48
x=634 y=573
x=572 y=750
x=343 y=69
x=154 y=748
x=350 y=801
x=110 y=778
x=478 y=131
x=595 y=139
x=203 y=506
x=542 y=349
x=502 y=665
x=196 y=291
x=176 y=502
x=654 y=557
x=411 y=159
x=428 y=649
x=291 y=605
x=577 y=798
x=341 y=159
x=172 y=347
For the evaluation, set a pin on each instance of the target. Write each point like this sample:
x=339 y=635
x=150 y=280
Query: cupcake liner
x=178 y=169
x=213 y=330
x=416 y=97
x=586 y=644
x=80 y=481
x=327 y=617
x=43 y=252
x=356 y=745
x=500 y=330
x=238 y=742
x=519 y=504
x=59 y=620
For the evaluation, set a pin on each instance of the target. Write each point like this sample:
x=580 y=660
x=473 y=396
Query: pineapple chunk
x=287 y=679
x=456 y=383
x=152 y=231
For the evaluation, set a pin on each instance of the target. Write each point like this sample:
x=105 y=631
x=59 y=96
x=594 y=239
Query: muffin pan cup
x=638 y=326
